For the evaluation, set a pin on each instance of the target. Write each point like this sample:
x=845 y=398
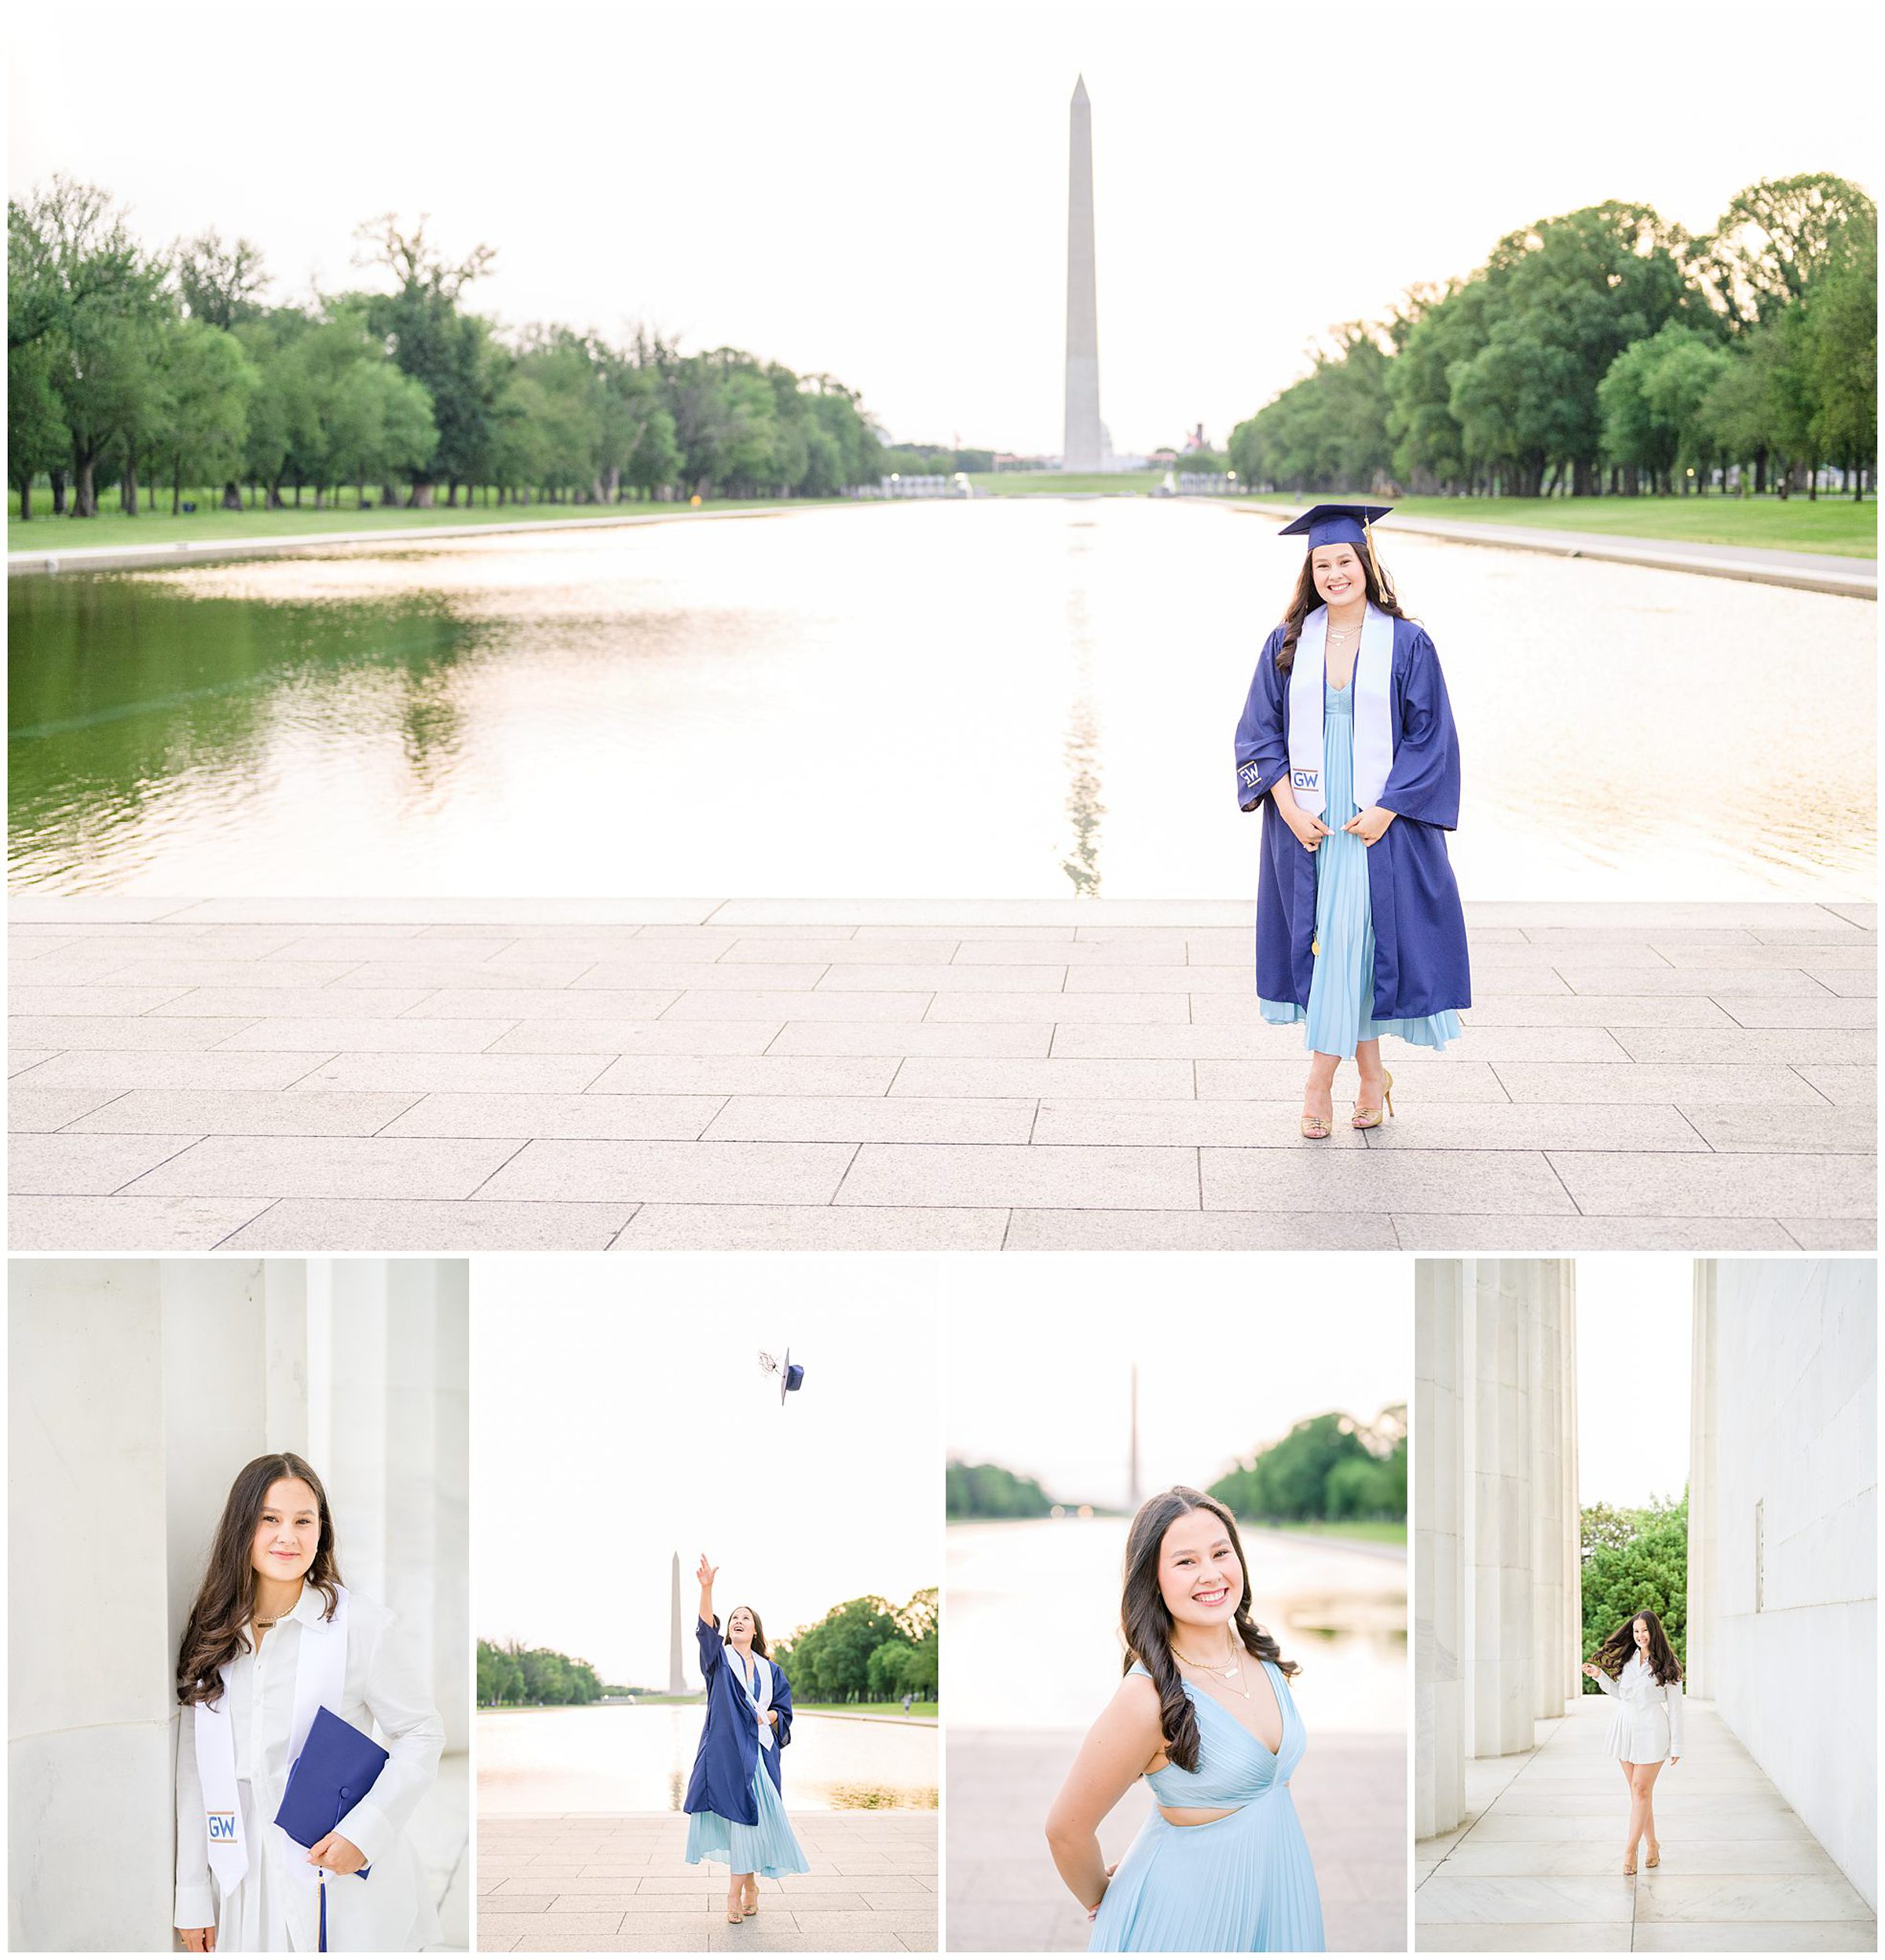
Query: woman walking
x=1206 y=1715
x=273 y=1638
x=735 y=1806
x=1637 y=1668
x=1347 y=741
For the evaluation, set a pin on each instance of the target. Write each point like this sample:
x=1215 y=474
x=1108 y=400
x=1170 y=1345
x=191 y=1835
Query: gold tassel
x=1368 y=532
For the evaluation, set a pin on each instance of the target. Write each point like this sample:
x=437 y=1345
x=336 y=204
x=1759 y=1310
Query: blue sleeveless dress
x=1242 y=1884
x=1342 y=989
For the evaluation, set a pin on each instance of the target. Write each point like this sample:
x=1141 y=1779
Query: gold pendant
x=1315 y=948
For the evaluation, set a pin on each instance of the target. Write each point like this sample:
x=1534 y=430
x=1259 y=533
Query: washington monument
x=676 y=1685
x=1084 y=443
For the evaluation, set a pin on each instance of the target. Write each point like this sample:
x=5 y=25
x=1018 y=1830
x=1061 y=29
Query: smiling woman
x=1205 y=1715
x=275 y=1642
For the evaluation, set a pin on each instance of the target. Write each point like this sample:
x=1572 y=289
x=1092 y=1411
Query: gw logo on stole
x=222 y=1826
x=1304 y=778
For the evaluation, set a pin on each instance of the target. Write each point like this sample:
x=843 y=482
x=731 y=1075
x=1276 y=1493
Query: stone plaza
x=312 y=1075
x=622 y=1885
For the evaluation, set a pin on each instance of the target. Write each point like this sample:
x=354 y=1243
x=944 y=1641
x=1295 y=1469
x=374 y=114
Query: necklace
x=1229 y=1676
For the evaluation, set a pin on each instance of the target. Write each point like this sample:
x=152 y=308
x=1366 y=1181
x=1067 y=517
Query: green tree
x=210 y=381
x=1627 y=1572
x=1776 y=238
x=987 y=1491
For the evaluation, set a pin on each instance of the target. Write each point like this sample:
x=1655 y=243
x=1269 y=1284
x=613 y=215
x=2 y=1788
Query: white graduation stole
x=320 y=1674
x=758 y=1689
x=1372 y=691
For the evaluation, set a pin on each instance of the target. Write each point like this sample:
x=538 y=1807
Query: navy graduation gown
x=730 y=1740
x=1420 y=930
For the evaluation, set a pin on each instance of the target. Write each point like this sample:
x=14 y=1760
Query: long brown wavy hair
x=225 y=1601
x=758 y=1630
x=1614 y=1653
x=1146 y=1621
x=1305 y=599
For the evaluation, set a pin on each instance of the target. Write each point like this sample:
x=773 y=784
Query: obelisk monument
x=676 y=1685
x=1082 y=446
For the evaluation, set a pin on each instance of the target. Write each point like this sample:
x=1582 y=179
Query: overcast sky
x=1633 y=1326
x=1232 y=1351
x=619 y=1415
x=879 y=192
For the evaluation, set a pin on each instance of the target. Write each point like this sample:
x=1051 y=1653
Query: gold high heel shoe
x=734 y=1917
x=1654 y=1858
x=1314 y=1127
x=1370 y=1119
x=1629 y=1865
x=749 y=1901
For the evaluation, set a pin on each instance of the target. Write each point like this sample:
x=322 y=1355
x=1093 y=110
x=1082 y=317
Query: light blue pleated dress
x=1242 y=1884
x=768 y=1849
x=1341 y=988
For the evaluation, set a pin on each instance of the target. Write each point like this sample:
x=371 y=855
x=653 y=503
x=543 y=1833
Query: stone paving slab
x=621 y=1884
x=917 y=1074
x=1536 y=1866
x=1004 y=1895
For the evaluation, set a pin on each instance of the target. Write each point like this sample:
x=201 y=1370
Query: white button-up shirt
x=386 y=1692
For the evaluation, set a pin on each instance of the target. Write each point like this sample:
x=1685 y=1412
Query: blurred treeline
x=1634 y=1559
x=866 y=1651
x=164 y=371
x=1328 y=1468
x=521 y=1675
x=1607 y=351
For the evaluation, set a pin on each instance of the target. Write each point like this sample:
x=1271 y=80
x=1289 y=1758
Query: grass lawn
x=1373 y=1531
x=51 y=535
x=864 y=1708
x=1836 y=525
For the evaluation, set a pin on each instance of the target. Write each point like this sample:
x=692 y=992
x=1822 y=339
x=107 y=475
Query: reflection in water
x=619 y=1758
x=1341 y=1610
x=920 y=699
x=1084 y=808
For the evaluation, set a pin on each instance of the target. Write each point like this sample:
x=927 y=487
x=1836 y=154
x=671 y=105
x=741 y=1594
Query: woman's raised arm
x=1117 y=1748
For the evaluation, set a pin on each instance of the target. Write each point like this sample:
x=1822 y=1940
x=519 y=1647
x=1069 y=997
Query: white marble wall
x=1440 y=1752
x=1783 y=1615
x=137 y=1389
x=1497 y=1602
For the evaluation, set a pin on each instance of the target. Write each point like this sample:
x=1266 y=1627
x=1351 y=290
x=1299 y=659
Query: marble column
x=1546 y=1286
x=88 y=1650
x=1440 y=1752
x=1498 y=1491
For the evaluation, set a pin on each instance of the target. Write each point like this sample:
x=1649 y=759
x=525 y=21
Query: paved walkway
x=1538 y=1866
x=1806 y=571
x=621 y=1885
x=1004 y=1894
x=311 y=1075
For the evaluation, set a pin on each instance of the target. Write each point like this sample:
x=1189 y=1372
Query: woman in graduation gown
x=735 y=1805
x=1206 y=1715
x=1347 y=742
x=273 y=1636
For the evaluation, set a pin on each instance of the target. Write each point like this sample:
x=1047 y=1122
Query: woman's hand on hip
x=197 y=1939
x=336 y=1853
x=1370 y=825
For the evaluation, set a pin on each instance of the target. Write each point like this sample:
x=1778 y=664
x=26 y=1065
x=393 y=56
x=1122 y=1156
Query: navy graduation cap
x=1336 y=523
x=789 y=1371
